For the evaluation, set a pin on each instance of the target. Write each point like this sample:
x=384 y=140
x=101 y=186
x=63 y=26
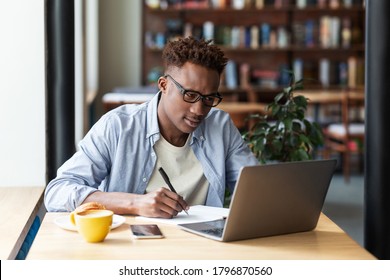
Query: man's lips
x=192 y=122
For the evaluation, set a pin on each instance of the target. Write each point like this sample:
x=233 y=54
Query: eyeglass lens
x=193 y=96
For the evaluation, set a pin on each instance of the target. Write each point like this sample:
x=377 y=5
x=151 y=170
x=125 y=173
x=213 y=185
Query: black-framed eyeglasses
x=192 y=96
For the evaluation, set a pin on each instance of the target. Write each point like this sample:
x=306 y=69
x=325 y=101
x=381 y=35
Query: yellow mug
x=93 y=225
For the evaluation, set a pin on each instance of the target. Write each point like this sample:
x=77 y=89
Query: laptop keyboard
x=214 y=228
x=214 y=231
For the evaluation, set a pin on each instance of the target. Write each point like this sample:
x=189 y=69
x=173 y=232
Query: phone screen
x=146 y=231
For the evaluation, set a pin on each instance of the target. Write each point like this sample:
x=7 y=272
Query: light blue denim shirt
x=117 y=155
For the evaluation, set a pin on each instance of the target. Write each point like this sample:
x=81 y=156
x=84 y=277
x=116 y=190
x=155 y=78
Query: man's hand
x=161 y=203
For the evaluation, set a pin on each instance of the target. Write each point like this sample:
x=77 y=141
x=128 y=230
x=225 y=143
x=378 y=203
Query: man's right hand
x=161 y=203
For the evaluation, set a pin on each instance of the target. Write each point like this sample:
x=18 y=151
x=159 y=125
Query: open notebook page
x=196 y=213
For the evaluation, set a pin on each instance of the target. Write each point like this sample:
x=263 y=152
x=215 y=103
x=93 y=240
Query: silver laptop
x=272 y=199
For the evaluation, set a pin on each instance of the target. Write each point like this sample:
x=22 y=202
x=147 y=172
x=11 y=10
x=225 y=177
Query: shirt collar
x=151 y=119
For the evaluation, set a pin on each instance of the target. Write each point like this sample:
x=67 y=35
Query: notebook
x=272 y=199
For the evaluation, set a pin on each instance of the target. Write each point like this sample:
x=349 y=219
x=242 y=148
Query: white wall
x=120 y=33
x=22 y=93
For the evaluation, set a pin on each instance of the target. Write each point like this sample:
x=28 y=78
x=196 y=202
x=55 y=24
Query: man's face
x=176 y=116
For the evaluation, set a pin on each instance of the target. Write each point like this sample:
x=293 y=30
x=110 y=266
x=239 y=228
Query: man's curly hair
x=201 y=52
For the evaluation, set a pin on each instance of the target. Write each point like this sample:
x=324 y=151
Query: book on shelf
x=343 y=73
x=254 y=37
x=197 y=31
x=208 y=30
x=153 y=4
x=325 y=31
x=309 y=33
x=244 y=75
x=174 y=28
x=149 y=40
x=346 y=33
x=235 y=37
x=273 y=42
x=298 y=30
x=334 y=4
x=160 y=40
x=265 y=34
x=188 y=29
x=334 y=32
x=266 y=78
x=321 y=3
x=301 y=4
x=219 y=35
x=310 y=71
x=355 y=72
x=282 y=37
x=278 y=4
x=324 y=72
x=259 y=4
x=330 y=31
x=284 y=75
x=241 y=37
x=360 y=72
x=348 y=3
x=248 y=36
x=218 y=4
x=352 y=72
x=231 y=75
x=334 y=75
x=311 y=3
x=192 y=4
x=238 y=4
x=298 y=69
x=227 y=35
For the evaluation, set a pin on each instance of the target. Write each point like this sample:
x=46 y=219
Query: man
x=197 y=145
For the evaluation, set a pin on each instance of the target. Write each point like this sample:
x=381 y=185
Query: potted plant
x=284 y=133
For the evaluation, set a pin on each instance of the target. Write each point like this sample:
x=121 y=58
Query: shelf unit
x=160 y=25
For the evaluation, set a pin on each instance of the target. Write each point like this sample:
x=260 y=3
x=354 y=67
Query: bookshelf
x=322 y=41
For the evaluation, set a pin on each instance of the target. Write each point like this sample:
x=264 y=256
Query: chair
x=347 y=136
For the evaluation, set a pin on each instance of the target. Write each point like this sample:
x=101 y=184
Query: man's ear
x=162 y=84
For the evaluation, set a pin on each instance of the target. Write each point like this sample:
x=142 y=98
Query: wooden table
x=18 y=208
x=112 y=100
x=239 y=112
x=327 y=241
x=242 y=107
x=329 y=97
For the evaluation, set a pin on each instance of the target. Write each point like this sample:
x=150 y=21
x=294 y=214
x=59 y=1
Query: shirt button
x=202 y=138
x=153 y=154
x=144 y=180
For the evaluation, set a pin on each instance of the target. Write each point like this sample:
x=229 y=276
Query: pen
x=168 y=182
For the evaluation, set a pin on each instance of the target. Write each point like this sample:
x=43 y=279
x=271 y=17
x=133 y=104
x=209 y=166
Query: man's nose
x=198 y=107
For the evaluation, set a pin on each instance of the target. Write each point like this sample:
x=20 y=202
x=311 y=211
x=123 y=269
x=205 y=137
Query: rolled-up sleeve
x=84 y=172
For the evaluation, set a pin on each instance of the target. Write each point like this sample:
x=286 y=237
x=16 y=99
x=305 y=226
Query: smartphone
x=146 y=231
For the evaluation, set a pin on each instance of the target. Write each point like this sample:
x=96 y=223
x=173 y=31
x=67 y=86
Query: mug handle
x=72 y=219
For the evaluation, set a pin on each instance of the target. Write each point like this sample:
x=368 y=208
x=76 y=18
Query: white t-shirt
x=183 y=169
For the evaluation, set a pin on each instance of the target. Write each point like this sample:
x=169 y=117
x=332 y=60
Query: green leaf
x=300 y=101
x=304 y=139
x=278 y=97
x=288 y=124
x=297 y=127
